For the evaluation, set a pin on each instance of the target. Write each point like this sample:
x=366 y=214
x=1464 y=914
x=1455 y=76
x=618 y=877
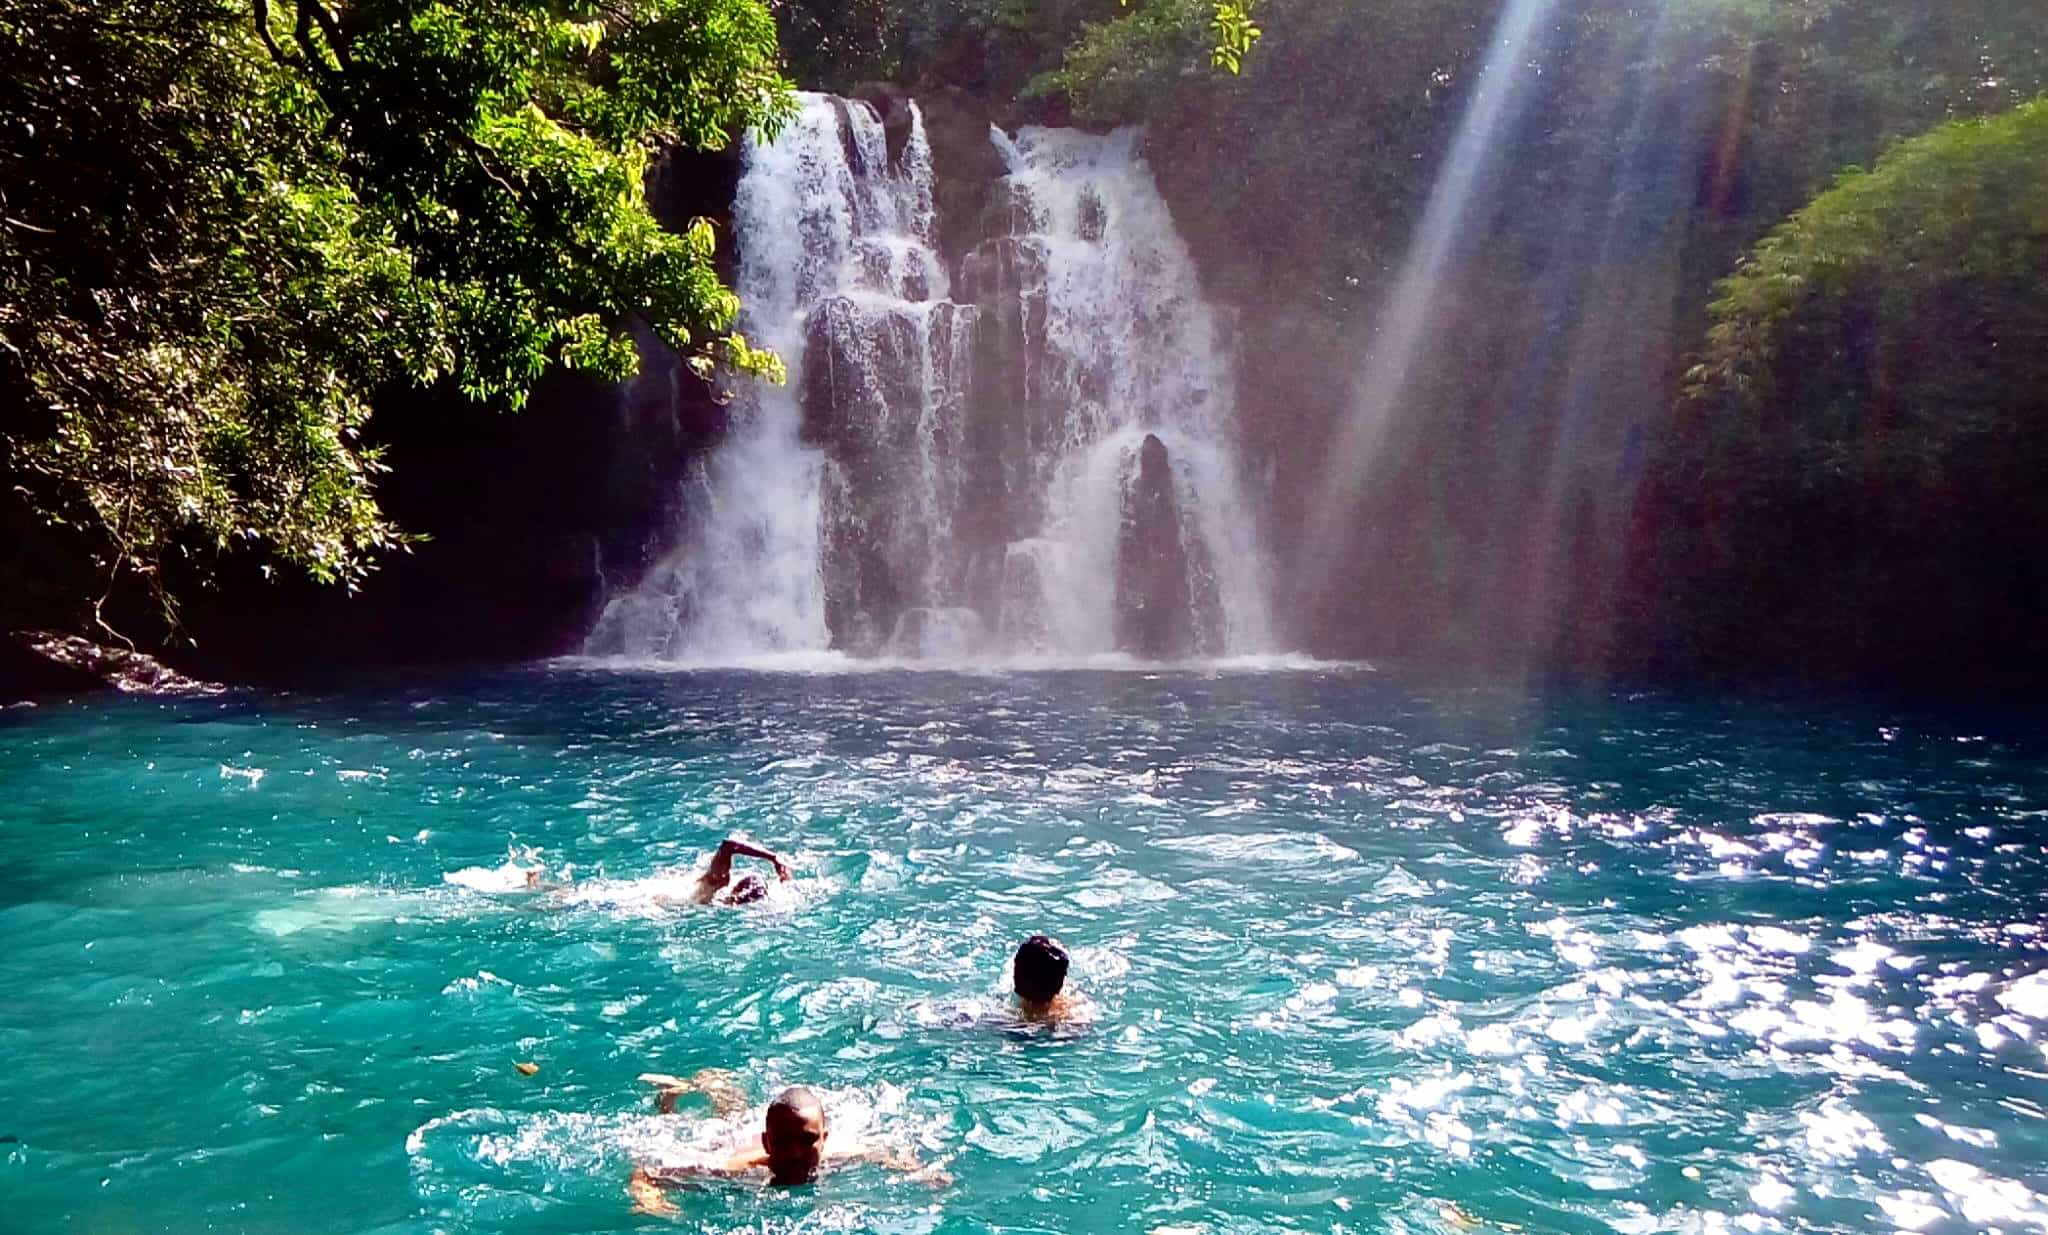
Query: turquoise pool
x=1361 y=958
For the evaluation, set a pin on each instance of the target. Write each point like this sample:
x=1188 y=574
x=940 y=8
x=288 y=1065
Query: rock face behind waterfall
x=1165 y=600
x=1009 y=425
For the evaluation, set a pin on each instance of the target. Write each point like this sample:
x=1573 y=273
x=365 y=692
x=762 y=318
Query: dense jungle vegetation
x=1701 y=394
x=228 y=224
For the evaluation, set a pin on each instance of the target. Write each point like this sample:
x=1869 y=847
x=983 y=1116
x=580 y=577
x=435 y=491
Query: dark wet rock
x=1009 y=212
x=863 y=363
x=891 y=103
x=1154 y=600
x=883 y=389
x=27 y=674
x=1005 y=278
x=947 y=633
x=966 y=166
x=856 y=158
x=45 y=662
x=529 y=519
x=1021 y=620
x=1094 y=221
x=684 y=185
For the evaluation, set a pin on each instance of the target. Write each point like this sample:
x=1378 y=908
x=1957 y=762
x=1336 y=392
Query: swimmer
x=796 y=1145
x=719 y=874
x=717 y=1084
x=527 y=858
x=1039 y=974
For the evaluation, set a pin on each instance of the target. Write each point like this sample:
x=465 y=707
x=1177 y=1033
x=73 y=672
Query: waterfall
x=1026 y=452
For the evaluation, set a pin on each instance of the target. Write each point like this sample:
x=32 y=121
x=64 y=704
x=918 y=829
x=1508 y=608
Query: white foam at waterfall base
x=991 y=663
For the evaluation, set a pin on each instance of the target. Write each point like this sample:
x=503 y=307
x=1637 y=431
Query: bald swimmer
x=796 y=1146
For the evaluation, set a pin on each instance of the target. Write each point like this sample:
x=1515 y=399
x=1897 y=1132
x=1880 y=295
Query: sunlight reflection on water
x=1350 y=954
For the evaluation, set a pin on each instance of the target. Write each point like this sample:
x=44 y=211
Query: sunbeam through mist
x=1459 y=205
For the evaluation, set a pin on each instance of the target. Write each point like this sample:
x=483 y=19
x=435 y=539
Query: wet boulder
x=1154 y=596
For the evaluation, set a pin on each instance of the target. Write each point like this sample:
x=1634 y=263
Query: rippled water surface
x=1360 y=959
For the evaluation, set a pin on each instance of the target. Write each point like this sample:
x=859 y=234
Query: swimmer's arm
x=722 y=860
x=647 y=1183
x=719 y=872
x=715 y=876
x=896 y=1158
x=717 y=1084
x=645 y=1187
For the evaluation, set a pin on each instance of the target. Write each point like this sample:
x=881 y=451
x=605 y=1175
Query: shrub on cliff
x=1856 y=471
x=225 y=224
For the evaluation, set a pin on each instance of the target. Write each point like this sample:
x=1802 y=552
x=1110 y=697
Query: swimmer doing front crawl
x=714 y=887
x=796 y=1144
x=711 y=886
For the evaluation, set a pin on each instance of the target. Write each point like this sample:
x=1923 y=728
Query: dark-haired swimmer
x=1039 y=975
x=796 y=1146
x=712 y=887
x=715 y=886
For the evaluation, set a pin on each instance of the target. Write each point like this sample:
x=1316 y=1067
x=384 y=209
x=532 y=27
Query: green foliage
x=1346 y=106
x=1130 y=66
x=1034 y=49
x=226 y=224
x=989 y=47
x=1232 y=33
x=1116 y=69
x=835 y=44
x=508 y=144
x=1964 y=207
x=1861 y=443
x=1893 y=321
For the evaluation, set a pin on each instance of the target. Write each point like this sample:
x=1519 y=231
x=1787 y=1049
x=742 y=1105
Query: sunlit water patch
x=1354 y=958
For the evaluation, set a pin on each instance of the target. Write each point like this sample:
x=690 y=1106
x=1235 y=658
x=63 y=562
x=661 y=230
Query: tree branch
x=263 y=32
x=311 y=13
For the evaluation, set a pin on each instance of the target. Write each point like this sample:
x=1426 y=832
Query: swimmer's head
x=794 y=1138
x=1039 y=969
x=747 y=891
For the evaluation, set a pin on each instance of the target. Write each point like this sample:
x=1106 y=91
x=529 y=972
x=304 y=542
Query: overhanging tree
x=226 y=224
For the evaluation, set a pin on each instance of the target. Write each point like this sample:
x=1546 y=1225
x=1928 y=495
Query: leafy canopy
x=1827 y=330
x=225 y=224
x=1860 y=447
x=1123 y=67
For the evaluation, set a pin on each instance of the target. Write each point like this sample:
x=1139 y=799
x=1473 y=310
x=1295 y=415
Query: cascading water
x=1040 y=468
x=1115 y=358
